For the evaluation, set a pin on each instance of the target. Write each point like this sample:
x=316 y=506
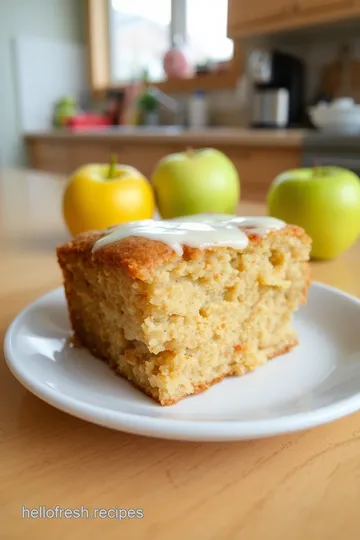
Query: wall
x=318 y=49
x=316 y=46
x=225 y=107
x=54 y=19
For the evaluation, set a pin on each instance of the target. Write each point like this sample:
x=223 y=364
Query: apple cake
x=175 y=306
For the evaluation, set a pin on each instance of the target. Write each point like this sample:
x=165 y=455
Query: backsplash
x=225 y=107
x=317 y=47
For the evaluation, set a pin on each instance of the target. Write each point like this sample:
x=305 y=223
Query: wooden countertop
x=301 y=486
x=220 y=136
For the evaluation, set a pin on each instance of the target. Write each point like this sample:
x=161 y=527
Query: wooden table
x=302 y=486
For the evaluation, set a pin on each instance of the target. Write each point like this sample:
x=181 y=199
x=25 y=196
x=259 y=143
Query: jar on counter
x=198 y=109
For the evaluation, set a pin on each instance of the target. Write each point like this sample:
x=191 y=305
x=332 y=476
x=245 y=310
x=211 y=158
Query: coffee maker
x=278 y=79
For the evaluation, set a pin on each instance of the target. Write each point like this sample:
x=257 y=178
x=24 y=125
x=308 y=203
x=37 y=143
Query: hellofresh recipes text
x=57 y=512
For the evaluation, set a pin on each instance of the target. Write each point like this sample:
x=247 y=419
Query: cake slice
x=176 y=306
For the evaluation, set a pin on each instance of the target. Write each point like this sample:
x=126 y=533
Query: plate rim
x=176 y=428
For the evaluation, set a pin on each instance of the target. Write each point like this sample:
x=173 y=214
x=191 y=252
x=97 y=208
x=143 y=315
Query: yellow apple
x=98 y=196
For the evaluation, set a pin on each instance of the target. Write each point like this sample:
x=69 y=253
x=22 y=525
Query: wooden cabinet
x=253 y=17
x=142 y=156
x=313 y=5
x=89 y=152
x=52 y=157
x=244 y=12
x=257 y=165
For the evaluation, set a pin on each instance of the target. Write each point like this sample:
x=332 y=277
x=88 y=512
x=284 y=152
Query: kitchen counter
x=168 y=134
x=302 y=485
x=258 y=155
x=344 y=141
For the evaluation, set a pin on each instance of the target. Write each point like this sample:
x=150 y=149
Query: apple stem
x=112 y=166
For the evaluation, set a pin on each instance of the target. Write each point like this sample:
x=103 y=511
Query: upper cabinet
x=241 y=13
x=320 y=4
x=253 y=17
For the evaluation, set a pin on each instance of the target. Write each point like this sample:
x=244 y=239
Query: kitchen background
x=104 y=55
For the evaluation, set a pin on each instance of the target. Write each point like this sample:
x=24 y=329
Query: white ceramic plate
x=316 y=383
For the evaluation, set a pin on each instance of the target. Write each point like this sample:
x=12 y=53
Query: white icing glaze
x=201 y=231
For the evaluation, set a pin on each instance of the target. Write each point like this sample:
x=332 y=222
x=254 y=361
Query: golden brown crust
x=140 y=256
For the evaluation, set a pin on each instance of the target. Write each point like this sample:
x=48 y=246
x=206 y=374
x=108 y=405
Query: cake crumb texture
x=174 y=325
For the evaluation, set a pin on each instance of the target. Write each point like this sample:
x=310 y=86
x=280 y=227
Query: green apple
x=325 y=201
x=65 y=109
x=196 y=181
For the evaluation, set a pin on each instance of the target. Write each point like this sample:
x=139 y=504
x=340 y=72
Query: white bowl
x=343 y=104
x=339 y=116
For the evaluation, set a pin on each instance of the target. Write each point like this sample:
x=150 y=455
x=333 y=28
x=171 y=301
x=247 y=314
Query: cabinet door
x=144 y=157
x=258 y=167
x=313 y=5
x=50 y=156
x=244 y=12
x=84 y=152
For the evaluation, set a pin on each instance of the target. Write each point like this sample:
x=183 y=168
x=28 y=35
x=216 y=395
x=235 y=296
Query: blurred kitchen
x=274 y=85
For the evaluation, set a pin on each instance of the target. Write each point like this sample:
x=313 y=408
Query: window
x=206 y=31
x=141 y=31
x=139 y=36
